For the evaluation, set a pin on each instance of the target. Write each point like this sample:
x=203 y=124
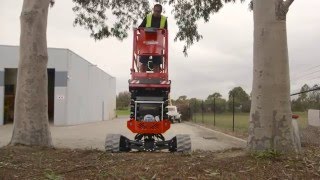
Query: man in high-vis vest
x=155 y=20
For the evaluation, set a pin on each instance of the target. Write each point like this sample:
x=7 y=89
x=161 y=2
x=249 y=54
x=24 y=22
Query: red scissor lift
x=149 y=98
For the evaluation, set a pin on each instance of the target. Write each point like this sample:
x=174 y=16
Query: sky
x=221 y=61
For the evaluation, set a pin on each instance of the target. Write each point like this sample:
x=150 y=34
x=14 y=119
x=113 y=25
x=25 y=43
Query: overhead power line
x=308 y=69
x=314 y=89
x=305 y=75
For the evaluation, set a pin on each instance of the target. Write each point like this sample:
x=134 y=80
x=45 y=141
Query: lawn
x=123 y=112
x=241 y=120
x=224 y=121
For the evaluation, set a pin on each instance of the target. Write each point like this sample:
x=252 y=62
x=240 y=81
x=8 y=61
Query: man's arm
x=144 y=22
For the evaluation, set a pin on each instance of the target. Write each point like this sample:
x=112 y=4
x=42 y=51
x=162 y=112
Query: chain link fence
x=233 y=114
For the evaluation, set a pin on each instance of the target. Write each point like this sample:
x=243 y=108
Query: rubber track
x=112 y=143
x=183 y=143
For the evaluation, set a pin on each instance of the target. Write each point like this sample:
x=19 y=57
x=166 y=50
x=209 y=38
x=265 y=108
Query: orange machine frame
x=149 y=44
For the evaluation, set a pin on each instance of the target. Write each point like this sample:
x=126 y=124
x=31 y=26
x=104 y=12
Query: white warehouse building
x=78 y=91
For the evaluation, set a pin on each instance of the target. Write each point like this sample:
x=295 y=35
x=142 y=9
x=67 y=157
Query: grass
x=303 y=119
x=241 y=120
x=268 y=154
x=224 y=121
x=49 y=174
x=123 y=112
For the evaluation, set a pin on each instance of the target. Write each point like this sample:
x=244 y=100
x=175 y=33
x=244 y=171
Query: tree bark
x=31 y=124
x=270 y=117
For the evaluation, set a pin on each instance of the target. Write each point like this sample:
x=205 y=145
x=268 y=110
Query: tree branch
x=52 y=3
x=287 y=3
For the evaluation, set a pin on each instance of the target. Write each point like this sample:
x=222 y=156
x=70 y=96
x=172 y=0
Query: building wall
x=83 y=92
x=57 y=60
x=112 y=99
x=10 y=57
x=89 y=92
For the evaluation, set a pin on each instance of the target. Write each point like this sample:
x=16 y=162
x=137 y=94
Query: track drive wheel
x=117 y=143
x=180 y=143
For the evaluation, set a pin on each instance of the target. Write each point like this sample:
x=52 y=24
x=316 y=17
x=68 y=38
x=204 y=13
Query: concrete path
x=93 y=135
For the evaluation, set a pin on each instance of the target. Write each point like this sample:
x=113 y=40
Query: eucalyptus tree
x=31 y=124
x=270 y=116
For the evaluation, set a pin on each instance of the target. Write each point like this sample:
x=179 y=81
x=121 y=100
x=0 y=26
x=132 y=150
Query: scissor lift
x=149 y=99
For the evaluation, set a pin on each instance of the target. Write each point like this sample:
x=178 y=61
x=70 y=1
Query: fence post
x=233 y=112
x=195 y=111
x=214 y=111
x=190 y=112
x=202 y=112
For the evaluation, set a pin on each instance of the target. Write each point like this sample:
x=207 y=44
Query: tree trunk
x=31 y=124
x=270 y=117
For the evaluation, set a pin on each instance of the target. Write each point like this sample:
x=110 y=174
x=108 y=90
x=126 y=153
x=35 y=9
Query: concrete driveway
x=93 y=135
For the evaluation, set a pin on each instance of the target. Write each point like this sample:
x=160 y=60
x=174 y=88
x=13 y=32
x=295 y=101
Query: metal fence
x=230 y=115
x=233 y=115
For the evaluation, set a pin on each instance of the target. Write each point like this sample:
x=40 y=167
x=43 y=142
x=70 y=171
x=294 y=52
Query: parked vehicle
x=173 y=114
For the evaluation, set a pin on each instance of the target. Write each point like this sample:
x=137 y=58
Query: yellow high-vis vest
x=162 y=21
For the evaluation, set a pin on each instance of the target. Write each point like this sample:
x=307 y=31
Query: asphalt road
x=92 y=136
